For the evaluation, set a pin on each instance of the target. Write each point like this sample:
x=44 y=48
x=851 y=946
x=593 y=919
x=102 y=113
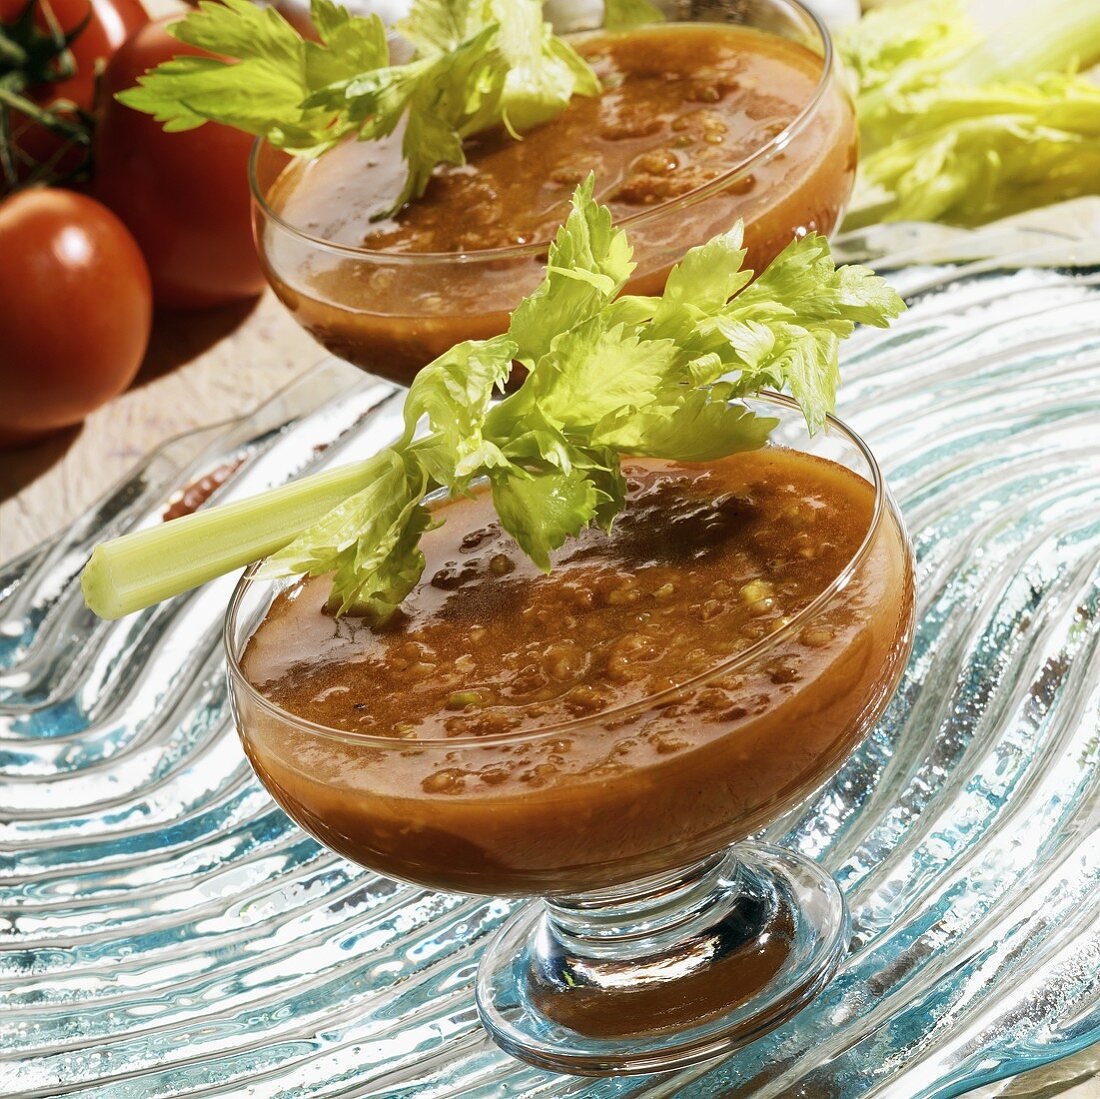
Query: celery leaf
x=541 y=511
x=588 y=264
x=478 y=64
x=609 y=377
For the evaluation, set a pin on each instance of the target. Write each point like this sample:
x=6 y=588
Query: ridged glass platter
x=167 y=931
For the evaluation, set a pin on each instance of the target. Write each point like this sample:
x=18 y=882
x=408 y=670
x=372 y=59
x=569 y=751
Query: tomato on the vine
x=59 y=81
x=76 y=315
x=184 y=196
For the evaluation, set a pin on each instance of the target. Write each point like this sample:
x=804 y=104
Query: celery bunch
x=964 y=128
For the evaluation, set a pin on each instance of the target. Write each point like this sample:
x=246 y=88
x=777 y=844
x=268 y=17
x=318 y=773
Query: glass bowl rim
x=537 y=248
x=239 y=681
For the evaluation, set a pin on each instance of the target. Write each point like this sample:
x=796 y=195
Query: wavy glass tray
x=167 y=931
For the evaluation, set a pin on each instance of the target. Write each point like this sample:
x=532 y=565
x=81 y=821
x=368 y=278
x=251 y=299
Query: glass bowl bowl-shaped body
x=657 y=943
x=392 y=313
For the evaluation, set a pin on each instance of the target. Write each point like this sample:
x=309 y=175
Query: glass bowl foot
x=665 y=972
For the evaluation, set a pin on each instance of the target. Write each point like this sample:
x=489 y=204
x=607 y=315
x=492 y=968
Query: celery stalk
x=964 y=126
x=1021 y=44
x=139 y=569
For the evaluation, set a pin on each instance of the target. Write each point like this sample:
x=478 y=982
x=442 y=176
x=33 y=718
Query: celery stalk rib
x=1053 y=36
x=139 y=569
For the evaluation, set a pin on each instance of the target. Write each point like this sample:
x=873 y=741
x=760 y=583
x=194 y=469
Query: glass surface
x=393 y=313
x=169 y=931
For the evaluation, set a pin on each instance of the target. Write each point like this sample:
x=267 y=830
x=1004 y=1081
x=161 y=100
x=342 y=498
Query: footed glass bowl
x=657 y=943
x=392 y=312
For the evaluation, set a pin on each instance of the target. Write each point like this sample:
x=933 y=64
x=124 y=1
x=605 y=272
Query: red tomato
x=77 y=308
x=109 y=24
x=184 y=196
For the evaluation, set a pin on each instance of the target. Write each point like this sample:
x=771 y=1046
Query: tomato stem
x=7 y=161
x=12 y=55
x=32 y=59
x=52 y=119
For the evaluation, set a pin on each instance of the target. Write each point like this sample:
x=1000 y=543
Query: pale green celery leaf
x=600 y=283
x=188 y=91
x=373 y=102
x=587 y=82
x=697 y=287
x=706 y=368
x=316 y=549
x=541 y=511
x=239 y=29
x=606 y=475
x=784 y=330
x=588 y=263
x=539 y=444
x=592 y=371
x=532 y=442
x=805 y=361
x=633 y=310
x=350 y=44
x=708 y=275
x=622 y=14
x=691 y=330
x=428 y=142
x=438 y=26
x=803 y=282
x=362 y=540
x=696 y=425
x=860 y=295
x=376 y=593
x=453 y=393
x=969 y=155
x=532 y=438
x=437 y=97
x=750 y=347
x=263 y=90
x=543 y=72
x=810 y=365
x=183 y=93
x=799 y=281
x=781 y=355
x=437 y=458
x=457 y=94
